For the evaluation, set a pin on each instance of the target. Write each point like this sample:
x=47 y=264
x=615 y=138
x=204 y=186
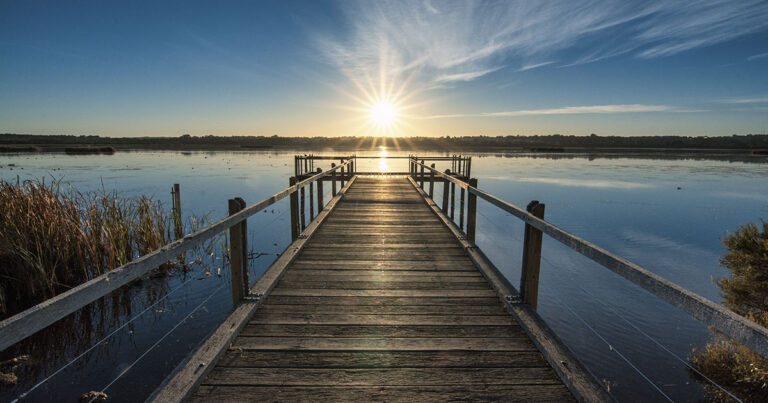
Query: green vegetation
x=735 y=367
x=52 y=240
x=548 y=143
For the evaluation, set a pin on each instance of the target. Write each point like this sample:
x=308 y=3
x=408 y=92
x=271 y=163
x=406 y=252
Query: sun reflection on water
x=383 y=162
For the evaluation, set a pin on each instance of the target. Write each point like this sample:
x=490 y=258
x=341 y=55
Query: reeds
x=53 y=239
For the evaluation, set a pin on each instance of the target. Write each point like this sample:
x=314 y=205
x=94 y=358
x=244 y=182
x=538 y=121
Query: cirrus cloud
x=454 y=41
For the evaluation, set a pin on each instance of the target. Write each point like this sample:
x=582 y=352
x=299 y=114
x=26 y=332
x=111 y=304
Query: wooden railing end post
x=529 y=275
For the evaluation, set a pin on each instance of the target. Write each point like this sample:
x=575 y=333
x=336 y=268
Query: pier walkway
x=382 y=303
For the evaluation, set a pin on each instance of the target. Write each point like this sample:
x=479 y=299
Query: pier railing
x=707 y=312
x=40 y=316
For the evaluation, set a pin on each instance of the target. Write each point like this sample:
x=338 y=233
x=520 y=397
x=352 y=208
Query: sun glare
x=383 y=114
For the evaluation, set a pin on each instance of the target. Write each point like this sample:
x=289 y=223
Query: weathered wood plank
x=392 y=246
x=380 y=331
x=360 y=274
x=351 y=319
x=447 y=256
x=381 y=276
x=357 y=264
x=494 y=309
x=387 y=359
x=381 y=376
x=379 y=300
x=383 y=293
x=506 y=393
x=383 y=284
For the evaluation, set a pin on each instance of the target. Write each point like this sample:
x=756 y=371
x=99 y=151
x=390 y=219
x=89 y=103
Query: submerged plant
x=52 y=240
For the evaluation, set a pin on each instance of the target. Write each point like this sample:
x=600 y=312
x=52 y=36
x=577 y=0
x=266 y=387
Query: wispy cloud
x=569 y=110
x=534 y=66
x=469 y=76
x=757 y=56
x=452 y=41
x=747 y=100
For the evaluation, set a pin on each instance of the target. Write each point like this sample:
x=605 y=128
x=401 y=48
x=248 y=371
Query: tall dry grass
x=52 y=239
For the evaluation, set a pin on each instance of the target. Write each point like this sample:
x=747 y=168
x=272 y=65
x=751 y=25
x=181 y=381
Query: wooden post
x=529 y=276
x=422 y=175
x=294 y=210
x=432 y=182
x=320 y=203
x=469 y=166
x=177 y=223
x=333 y=181
x=471 y=211
x=311 y=202
x=461 y=208
x=446 y=190
x=244 y=232
x=453 y=199
x=238 y=260
x=302 y=195
x=341 y=182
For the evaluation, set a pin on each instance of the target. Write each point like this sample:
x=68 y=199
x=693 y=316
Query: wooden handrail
x=40 y=316
x=726 y=321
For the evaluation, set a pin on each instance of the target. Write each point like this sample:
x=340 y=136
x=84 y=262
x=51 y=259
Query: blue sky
x=318 y=67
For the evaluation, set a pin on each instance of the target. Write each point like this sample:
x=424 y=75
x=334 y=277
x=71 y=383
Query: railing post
x=302 y=208
x=294 y=210
x=422 y=175
x=432 y=182
x=453 y=199
x=333 y=181
x=319 y=192
x=341 y=182
x=461 y=208
x=446 y=190
x=178 y=228
x=311 y=202
x=469 y=166
x=529 y=275
x=471 y=211
x=238 y=255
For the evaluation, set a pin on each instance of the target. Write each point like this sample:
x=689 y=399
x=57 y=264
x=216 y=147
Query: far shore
x=750 y=146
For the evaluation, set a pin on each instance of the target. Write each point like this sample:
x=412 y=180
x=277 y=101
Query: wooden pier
x=382 y=296
x=382 y=303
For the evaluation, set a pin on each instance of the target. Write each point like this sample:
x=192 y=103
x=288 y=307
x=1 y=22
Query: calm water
x=668 y=215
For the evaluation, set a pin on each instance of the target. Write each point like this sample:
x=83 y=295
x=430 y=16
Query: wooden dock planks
x=383 y=303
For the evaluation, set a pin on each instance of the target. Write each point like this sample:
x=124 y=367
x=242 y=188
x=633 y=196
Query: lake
x=665 y=213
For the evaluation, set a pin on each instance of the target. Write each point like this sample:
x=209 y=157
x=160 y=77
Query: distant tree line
x=552 y=142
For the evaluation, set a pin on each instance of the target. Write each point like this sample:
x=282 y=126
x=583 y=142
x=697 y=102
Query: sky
x=396 y=68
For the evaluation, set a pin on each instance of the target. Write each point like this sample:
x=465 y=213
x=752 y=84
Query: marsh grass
x=53 y=239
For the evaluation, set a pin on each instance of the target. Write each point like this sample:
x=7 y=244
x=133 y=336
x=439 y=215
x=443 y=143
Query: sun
x=383 y=114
